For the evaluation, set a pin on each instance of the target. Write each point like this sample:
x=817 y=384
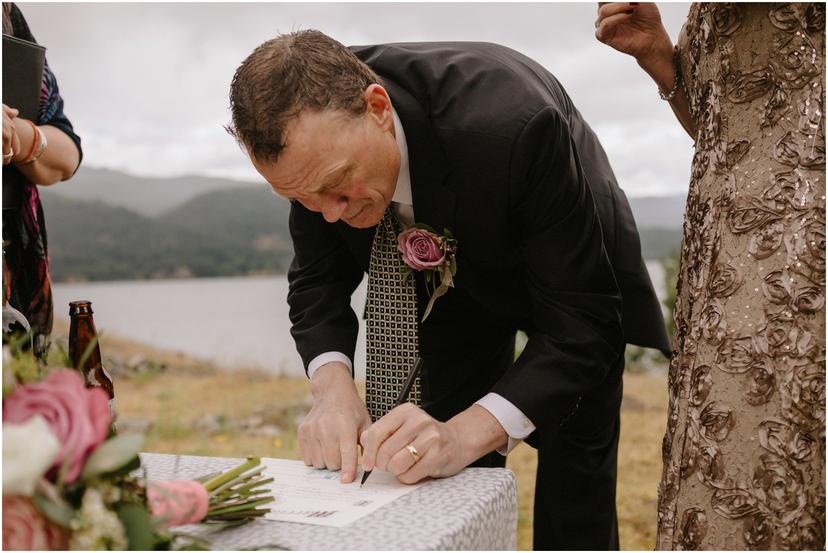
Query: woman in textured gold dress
x=744 y=451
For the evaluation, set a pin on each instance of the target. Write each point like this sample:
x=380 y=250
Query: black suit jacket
x=498 y=155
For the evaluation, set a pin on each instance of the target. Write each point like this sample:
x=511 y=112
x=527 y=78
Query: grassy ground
x=194 y=408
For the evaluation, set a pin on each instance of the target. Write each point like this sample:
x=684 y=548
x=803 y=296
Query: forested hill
x=106 y=225
x=220 y=233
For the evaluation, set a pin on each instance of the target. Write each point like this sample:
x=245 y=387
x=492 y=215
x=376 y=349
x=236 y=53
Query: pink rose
x=420 y=249
x=25 y=529
x=78 y=416
x=177 y=502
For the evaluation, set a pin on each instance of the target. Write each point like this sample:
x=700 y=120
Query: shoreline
x=120 y=352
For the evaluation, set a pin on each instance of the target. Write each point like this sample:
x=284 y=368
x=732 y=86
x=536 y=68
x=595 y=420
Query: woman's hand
x=634 y=28
x=11 y=143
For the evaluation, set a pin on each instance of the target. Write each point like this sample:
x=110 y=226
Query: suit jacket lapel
x=434 y=203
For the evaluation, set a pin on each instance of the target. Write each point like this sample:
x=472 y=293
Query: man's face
x=338 y=164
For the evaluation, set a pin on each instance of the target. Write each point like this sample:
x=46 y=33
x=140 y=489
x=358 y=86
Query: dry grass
x=176 y=399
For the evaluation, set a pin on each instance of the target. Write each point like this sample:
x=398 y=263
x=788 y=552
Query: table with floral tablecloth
x=475 y=509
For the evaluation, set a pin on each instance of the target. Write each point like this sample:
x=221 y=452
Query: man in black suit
x=482 y=141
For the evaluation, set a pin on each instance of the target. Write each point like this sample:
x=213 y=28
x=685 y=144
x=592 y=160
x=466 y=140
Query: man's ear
x=378 y=105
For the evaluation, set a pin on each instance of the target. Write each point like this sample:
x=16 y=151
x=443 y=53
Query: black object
x=22 y=75
x=406 y=389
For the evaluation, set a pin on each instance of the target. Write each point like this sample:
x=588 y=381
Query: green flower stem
x=236 y=515
x=231 y=474
x=235 y=502
x=241 y=485
x=235 y=494
x=247 y=490
x=240 y=506
x=242 y=478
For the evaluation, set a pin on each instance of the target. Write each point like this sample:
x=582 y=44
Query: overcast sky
x=146 y=85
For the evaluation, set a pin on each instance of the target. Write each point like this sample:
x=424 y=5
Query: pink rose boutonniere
x=424 y=250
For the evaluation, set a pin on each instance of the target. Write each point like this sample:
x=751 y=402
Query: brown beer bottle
x=81 y=333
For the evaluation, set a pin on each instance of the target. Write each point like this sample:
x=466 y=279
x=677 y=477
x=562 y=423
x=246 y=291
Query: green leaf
x=125 y=470
x=137 y=522
x=113 y=454
x=58 y=512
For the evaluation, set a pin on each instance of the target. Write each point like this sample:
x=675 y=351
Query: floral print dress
x=26 y=284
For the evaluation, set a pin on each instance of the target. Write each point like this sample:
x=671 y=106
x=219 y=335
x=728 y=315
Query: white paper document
x=312 y=496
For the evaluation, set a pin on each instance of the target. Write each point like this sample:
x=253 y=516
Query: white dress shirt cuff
x=512 y=419
x=328 y=357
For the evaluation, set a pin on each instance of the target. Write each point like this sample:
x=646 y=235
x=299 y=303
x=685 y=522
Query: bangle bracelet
x=35 y=140
x=668 y=96
x=38 y=147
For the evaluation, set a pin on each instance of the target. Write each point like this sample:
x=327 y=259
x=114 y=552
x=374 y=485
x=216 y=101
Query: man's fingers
x=396 y=442
x=404 y=459
x=317 y=457
x=329 y=442
x=373 y=438
x=305 y=449
x=422 y=468
x=348 y=455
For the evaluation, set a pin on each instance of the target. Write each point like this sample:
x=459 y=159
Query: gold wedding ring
x=413 y=451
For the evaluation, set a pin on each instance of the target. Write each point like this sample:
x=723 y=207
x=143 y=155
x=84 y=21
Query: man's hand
x=328 y=435
x=442 y=448
x=635 y=29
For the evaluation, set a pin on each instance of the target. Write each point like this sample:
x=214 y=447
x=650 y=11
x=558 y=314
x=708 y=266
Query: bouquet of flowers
x=70 y=482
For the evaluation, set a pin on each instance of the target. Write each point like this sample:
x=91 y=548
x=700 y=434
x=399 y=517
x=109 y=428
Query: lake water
x=234 y=322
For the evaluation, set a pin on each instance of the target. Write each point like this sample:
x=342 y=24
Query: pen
x=406 y=389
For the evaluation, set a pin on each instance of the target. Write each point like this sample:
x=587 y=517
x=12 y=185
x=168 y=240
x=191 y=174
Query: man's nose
x=333 y=208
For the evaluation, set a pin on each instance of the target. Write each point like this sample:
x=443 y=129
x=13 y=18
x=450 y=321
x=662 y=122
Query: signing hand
x=328 y=435
x=411 y=445
x=11 y=143
x=633 y=28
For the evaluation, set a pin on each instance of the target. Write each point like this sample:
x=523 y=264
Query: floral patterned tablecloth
x=476 y=509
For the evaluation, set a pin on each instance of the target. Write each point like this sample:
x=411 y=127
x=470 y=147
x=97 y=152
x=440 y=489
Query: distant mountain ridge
x=107 y=225
x=153 y=196
x=149 y=196
x=241 y=231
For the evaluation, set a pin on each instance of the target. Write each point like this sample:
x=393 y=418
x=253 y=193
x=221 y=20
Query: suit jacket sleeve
x=322 y=277
x=575 y=319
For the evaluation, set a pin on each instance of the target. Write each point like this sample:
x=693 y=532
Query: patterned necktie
x=391 y=330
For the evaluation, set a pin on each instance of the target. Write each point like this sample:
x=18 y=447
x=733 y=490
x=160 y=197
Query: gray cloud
x=146 y=84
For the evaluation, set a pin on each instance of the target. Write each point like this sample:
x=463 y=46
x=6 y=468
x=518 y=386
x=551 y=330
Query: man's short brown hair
x=288 y=74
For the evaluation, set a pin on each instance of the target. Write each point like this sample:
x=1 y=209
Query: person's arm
x=58 y=161
x=62 y=154
x=575 y=316
x=635 y=28
x=322 y=277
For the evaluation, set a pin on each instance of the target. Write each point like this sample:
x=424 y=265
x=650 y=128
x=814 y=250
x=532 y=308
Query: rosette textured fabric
x=744 y=451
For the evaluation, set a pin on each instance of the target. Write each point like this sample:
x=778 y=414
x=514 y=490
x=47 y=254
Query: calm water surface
x=235 y=322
